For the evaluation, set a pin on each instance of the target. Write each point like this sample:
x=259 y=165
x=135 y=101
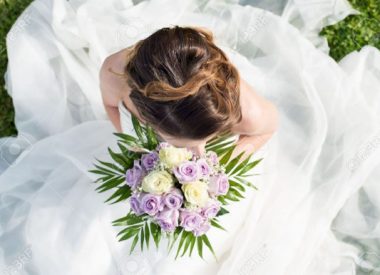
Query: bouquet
x=170 y=191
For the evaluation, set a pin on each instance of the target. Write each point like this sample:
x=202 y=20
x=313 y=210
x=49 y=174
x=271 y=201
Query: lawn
x=9 y=10
x=348 y=35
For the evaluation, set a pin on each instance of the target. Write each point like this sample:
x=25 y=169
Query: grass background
x=9 y=11
x=348 y=35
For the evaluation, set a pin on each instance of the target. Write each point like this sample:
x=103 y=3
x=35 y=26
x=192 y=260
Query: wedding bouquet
x=171 y=191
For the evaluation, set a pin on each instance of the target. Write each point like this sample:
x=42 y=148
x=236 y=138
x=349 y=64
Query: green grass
x=355 y=31
x=9 y=11
x=348 y=35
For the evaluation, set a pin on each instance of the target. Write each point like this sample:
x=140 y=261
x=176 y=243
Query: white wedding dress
x=317 y=209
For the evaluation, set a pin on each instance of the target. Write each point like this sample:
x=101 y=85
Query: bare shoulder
x=112 y=85
x=259 y=116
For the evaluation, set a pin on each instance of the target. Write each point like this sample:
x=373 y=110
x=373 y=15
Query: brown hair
x=182 y=83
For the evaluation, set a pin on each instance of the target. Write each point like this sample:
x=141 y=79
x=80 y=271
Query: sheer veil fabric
x=317 y=209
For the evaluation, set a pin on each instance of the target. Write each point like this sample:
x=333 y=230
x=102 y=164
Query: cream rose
x=196 y=193
x=157 y=182
x=172 y=156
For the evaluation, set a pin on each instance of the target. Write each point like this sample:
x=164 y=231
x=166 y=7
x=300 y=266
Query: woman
x=193 y=92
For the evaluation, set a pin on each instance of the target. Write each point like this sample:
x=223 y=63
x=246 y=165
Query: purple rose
x=186 y=171
x=134 y=201
x=218 y=185
x=151 y=204
x=168 y=219
x=190 y=220
x=203 y=167
x=173 y=199
x=149 y=160
x=202 y=229
x=211 y=209
x=213 y=158
x=134 y=175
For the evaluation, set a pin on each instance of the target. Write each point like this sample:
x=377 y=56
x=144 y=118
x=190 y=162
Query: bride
x=194 y=91
x=78 y=70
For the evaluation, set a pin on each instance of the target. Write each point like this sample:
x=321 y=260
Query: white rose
x=196 y=193
x=157 y=182
x=172 y=156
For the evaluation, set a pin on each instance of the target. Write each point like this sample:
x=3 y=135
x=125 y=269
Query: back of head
x=183 y=84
